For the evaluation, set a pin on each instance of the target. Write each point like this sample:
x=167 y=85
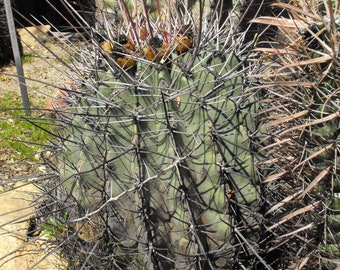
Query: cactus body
x=163 y=150
x=157 y=169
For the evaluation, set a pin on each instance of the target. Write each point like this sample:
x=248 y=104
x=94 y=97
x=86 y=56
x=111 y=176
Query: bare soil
x=44 y=74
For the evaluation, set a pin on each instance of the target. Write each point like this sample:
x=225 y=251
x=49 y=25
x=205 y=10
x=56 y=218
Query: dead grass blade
x=278 y=143
x=317 y=60
x=330 y=117
x=289 y=83
x=268 y=162
x=281 y=22
x=293 y=214
x=316 y=180
x=316 y=154
x=273 y=177
x=285 y=119
x=298 y=11
x=283 y=202
x=306 y=227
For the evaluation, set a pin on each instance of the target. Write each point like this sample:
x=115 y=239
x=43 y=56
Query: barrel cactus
x=300 y=123
x=157 y=168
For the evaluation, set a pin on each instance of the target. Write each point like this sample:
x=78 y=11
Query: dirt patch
x=44 y=74
x=17 y=251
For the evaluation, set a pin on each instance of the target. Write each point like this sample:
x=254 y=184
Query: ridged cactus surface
x=157 y=167
x=167 y=149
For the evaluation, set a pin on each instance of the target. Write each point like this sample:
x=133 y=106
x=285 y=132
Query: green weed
x=27 y=58
x=55 y=227
x=22 y=136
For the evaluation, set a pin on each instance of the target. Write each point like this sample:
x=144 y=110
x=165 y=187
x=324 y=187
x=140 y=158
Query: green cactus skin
x=161 y=147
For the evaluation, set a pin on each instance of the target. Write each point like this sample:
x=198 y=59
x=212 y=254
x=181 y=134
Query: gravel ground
x=44 y=73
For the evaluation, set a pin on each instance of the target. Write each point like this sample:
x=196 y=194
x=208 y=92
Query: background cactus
x=300 y=120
